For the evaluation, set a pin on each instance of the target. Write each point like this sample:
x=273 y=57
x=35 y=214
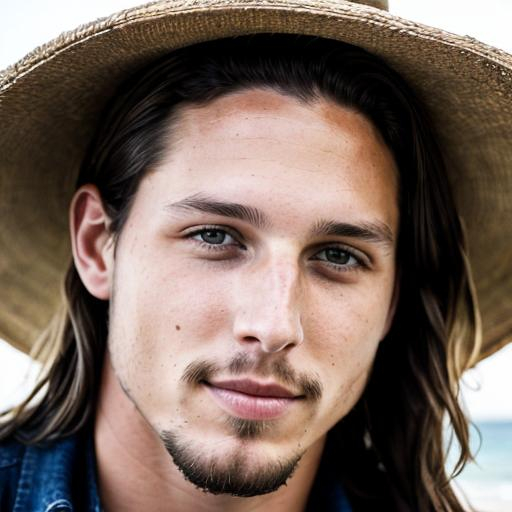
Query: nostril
x=250 y=338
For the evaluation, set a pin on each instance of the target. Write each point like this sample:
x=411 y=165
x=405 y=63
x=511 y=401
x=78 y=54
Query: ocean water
x=487 y=484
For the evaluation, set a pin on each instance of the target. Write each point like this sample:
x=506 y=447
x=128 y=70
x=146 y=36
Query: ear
x=91 y=241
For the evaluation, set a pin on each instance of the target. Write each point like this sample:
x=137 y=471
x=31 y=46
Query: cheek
x=350 y=322
x=345 y=376
x=163 y=315
x=347 y=337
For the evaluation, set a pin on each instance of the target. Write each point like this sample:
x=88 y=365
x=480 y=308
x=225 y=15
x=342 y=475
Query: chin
x=238 y=470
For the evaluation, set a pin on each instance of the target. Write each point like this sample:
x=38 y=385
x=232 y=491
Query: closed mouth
x=254 y=388
x=252 y=400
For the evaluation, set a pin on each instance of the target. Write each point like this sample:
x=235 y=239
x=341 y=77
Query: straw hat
x=50 y=102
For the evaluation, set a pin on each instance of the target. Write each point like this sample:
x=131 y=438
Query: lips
x=250 y=387
x=252 y=400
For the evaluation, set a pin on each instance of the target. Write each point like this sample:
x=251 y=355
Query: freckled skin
x=173 y=302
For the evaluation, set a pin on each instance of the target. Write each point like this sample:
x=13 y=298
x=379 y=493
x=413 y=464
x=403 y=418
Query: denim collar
x=46 y=482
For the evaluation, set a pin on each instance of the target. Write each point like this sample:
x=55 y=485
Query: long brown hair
x=389 y=448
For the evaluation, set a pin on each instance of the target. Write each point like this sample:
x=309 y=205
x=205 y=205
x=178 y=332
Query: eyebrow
x=206 y=204
x=376 y=232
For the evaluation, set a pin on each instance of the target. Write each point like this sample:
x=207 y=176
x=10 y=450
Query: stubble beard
x=236 y=476
x=234 y=473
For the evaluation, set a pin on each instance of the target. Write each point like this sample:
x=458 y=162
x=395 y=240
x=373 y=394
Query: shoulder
x=31 y=475
x=51 y=475
x=11 y=453
x=11 y=458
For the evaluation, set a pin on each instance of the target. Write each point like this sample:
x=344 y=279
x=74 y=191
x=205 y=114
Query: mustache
x=200 y=371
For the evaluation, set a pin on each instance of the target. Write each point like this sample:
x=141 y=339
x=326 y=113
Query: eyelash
x=360 y=261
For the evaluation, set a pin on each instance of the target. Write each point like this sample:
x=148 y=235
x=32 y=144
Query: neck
x=135 y=471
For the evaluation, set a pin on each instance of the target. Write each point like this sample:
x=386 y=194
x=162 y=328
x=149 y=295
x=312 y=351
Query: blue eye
x=214 y=238
x=339 y=258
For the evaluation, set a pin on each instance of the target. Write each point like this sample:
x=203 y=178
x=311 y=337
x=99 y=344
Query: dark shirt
x=61 y=476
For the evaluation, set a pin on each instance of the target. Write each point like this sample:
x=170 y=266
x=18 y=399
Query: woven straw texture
x=50 y=102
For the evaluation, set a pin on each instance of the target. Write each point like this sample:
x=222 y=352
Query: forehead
x=317 y=154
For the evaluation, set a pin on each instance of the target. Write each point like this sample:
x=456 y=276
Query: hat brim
x=50 y=102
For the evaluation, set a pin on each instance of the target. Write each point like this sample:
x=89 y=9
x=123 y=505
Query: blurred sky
x=24 y=24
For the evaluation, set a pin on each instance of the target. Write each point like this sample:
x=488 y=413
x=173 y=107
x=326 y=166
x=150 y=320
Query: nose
x=268 y=307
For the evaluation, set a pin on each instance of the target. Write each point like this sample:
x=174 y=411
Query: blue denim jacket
x=61 y=476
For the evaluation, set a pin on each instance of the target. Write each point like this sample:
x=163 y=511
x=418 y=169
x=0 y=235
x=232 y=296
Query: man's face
x=253 y=283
